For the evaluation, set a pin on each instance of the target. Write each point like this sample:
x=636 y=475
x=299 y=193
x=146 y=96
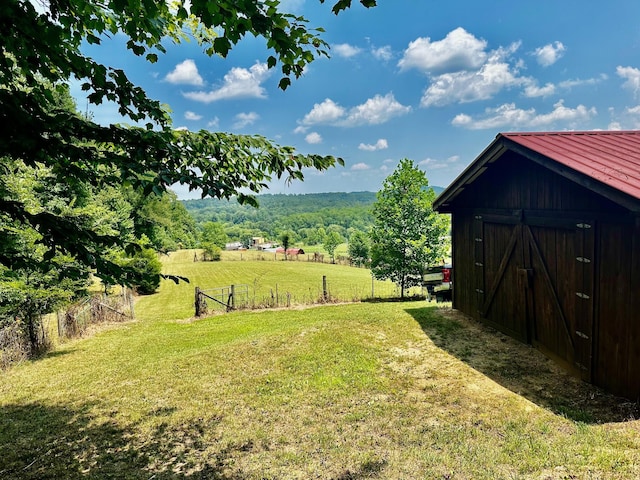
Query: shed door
x=538 y=283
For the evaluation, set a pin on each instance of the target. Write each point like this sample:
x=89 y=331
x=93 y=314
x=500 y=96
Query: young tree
x=359 y=248
x=331 y=242
x=41 y=49
x=213 y=233
x=407 y=233
x=285 y=241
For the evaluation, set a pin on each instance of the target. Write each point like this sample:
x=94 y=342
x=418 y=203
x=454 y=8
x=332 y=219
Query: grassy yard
x=396 y=390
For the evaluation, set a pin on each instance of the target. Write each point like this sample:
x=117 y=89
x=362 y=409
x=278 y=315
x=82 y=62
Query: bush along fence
x=103 y=308
x=244 y=297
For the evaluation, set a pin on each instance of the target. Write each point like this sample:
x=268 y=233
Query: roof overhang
x=502 y=144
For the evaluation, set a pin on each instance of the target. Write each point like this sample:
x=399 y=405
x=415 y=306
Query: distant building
x=291 y=251
x=257 y=241
x=233 y=246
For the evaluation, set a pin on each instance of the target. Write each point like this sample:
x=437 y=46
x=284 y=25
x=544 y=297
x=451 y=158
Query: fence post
x=324 y=288
x=372 y=294
x=232 y=294
x=197 y=301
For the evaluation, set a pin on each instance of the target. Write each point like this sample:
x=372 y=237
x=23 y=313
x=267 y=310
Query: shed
x=546 y=248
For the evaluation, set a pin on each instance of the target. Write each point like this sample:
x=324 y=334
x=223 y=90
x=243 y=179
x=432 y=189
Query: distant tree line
x=308 y=219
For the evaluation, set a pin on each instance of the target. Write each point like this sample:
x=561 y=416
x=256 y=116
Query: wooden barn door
x=536 y=283
x=501 y=293
x=560 y=256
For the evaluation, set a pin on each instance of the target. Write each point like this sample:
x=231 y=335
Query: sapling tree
x=407 y=234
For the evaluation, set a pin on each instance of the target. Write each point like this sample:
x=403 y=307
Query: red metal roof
x=611 y=157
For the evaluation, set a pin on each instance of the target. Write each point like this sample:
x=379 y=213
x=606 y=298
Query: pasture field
x=264 y=278
x=386 y=390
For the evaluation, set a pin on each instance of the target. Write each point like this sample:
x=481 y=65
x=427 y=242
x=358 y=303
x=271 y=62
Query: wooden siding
x=617 y=352
x=513 y=182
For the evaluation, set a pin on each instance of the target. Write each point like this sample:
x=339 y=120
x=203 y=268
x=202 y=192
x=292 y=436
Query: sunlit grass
x=367 y=390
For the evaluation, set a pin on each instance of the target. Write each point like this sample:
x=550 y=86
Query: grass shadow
x=412 y=298
x=521 y=368
x=39 y=441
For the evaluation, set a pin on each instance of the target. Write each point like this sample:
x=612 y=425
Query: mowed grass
x=396 y=390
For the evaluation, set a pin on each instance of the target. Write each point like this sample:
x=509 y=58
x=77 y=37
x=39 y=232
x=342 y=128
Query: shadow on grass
x=521 y=368
x=366 y=470
x=393 y=299
x=52 y=354
x=44 y=442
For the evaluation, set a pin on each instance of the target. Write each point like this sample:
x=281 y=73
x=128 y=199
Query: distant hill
x=308 y=216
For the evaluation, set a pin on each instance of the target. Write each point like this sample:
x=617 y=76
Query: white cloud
x=374 y=111
x=628 y=119
x=469 y=86
x=632 y=77
x=459 y=50
x=237 y=83
x=300 y=129
x=382 y=53
x=345 y=50
x=434 y=164
x=185 y=73
x=533 y=90
x=461 y=69
x=360 y=166
x=381 y=144
x=245 y=119
x=509 y=116
x=192 y=116
x=313 y=138
x=569 y=84
x=213 y=123
x=325 y=112
x=549 y=54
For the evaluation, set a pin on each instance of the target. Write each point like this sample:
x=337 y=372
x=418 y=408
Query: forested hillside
x=308 y=217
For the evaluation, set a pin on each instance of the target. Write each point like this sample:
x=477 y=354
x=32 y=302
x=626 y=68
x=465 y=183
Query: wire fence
x=247 y=297
x=103 y=308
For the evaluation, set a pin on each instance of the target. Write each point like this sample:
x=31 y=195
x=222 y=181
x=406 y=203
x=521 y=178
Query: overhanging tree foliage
x=43 y=49
x=407 y=234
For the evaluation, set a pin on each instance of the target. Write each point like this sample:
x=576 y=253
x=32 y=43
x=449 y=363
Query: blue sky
x=430 y=81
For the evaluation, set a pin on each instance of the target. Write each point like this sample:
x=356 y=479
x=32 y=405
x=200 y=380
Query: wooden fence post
x=324 y=288
x=197 y=301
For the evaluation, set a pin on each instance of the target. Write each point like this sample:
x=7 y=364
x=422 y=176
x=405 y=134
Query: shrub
x=211 y=252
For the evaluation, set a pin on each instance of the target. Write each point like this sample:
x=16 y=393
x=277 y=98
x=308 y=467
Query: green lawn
x=396 y=390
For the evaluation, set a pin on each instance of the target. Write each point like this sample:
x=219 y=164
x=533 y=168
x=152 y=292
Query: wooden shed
x=546 y=248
